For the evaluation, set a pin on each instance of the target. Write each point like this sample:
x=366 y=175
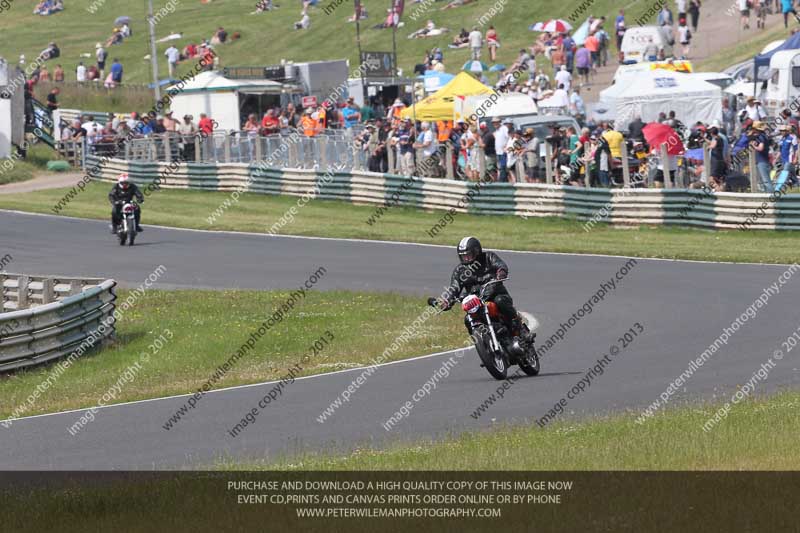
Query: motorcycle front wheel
x=131 y=234
x=495 y=363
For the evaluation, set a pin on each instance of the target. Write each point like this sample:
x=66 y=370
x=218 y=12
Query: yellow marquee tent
x=439 y=105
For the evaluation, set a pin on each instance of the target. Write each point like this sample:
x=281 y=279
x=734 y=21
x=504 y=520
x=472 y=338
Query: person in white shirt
x=560 y=97
x=427 y=143
x=576 y=105
x=685 y=38
x=744 y=11
x=500 y=143
x=89 y=125
x=681 y=5
x=173 y=56
x=563 y=77
x=80 y=72
x=754 y=110
x=475 y=42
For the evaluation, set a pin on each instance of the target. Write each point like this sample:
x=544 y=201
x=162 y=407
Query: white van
x=637 y=38
x=783 y=86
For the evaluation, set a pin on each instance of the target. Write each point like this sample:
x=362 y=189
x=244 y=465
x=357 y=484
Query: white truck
x=638 y=38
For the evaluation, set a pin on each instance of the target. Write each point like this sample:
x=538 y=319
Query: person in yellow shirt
x=614 y=140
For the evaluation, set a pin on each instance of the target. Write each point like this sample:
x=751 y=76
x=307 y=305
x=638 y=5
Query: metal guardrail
x=22 y=291
x=330 y=149
x=70 y=326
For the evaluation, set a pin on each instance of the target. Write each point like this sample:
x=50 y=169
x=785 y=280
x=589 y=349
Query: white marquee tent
x=218 y=97
x=658 y=91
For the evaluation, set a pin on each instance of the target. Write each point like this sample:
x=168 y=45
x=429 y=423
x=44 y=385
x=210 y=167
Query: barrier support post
x=665 y=164
x=626 y=171
x=548 y=168
x=448 y=164
x=48 y=294
x=22 y=292
x=751 y=157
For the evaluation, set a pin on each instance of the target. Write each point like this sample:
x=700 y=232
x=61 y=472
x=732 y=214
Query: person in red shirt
x=592 y=44
x=206 y=125
x=270 y=123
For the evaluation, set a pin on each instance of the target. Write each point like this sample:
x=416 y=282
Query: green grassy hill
x=268 y=37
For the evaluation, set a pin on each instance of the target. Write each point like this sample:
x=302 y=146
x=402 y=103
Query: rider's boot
x=113 y=229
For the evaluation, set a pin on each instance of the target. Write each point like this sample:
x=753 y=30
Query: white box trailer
x=783 y=85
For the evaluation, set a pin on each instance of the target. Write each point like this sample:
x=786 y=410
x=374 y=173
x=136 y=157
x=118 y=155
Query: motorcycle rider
x=476 y=268
x=122 y=192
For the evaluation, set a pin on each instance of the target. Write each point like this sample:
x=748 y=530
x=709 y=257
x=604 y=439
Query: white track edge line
x=235 y=387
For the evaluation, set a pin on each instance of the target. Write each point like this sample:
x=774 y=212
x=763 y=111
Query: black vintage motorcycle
x=497 y=346
x=127 y=229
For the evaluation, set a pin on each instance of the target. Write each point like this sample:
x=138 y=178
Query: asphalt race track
x=683 y=307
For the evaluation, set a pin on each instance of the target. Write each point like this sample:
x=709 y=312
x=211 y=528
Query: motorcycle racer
x=475 y=268
x=122 y=192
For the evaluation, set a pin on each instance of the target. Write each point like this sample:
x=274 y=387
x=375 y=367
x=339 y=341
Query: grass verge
x=327 y=218
x=14 y=170
x=203 y=338
x=759 y=434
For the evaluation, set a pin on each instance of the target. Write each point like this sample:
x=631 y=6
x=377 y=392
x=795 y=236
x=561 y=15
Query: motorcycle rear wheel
x=495 y=365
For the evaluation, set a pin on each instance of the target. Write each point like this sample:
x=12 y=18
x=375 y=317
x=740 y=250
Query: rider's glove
x=502 y=274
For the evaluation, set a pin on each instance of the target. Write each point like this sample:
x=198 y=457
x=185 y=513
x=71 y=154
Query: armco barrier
x=51 y=331
x=21 y=291
x=687 y=207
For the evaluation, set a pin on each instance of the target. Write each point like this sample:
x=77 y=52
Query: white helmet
x=122 y=179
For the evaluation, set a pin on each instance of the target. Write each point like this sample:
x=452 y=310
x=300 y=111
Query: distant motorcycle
x=127 y=230
x=497 y=346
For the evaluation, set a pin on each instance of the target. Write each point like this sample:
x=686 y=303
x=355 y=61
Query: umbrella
x=497 y=68
x=552 y=26
x=122 y=20
x=657 y=134
x=475 y=66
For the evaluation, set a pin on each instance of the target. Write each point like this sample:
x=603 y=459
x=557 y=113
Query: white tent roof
x=657 y=91
x=214 y=81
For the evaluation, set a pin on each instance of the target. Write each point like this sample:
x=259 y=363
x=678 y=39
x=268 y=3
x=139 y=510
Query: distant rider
x=121 y=193
x=475 y=269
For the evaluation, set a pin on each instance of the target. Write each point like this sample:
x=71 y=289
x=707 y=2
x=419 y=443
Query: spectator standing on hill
x=569 y=51
x=80 y=73
x=685 y=38
x=475 y=42
x=173 y=56
x=665 y=17
x=583 y=62
x=602 y=39
x=492 y=43
x=501 y=136
x=694 y=13
x=681 y=7
x=563 y=77
x=101 y=55
x=593 y=45
x=116 y=71
x=744 y=11
x=58 y=74
x=787 y=6
x=52 y=99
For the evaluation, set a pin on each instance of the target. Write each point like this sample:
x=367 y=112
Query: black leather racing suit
x=470 y=277
x=118 y=194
